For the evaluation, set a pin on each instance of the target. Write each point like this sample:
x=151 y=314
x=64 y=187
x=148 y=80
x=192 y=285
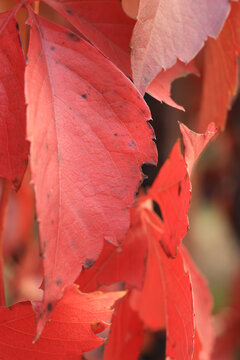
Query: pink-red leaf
x=70 y=332
x=104 y=23
x=171 y=191
x=119 y=263
x=89 y=137
x=220 y=72
x=126 y=334
x=194 y=144
x=202 y=303
x=166 y=298
x=13 y=145
x=171 y=30
x=160 y=87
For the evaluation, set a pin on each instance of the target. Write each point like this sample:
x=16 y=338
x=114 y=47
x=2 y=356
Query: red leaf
x=194 y=144
x=119 y=263
x=126 y=334
x=220 y=72
x=172 y=188
x=104 y=23
x=202 y=303
x=13 y=145
x=88 y=144
x=166 y=297
x=66 y=336
x=172 y=192
x=171 y=30
x=160 y=87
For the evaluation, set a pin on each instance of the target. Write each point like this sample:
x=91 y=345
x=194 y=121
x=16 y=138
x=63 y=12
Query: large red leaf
x=104 y=23
x=13 y=145
x=220 y=72
x=72 y=330
x=126 y=334
x=171 y=30
x=89 y=137
x=166 y=298
x=202 y=303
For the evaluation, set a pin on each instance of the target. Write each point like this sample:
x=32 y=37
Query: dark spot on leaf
x=132 y=143
x=121 y=106
x=44 y=245
x=56 y=62
x=26 y=161
x=84 y=96
x=52 y=222
x=89 y=263
x=116 y=134
x=157 y=209
x=179 y=189
x=59 y=282
x=70 y=108
x=73 y=37
x=46 y=146
x=26 y=59
x=69 y=12
x=63 y=42
x=52 y=48
x=138 y=97
x=49 y=307
x=42 y=255
x=17 y=26
x=16 y=183
x=48 y=195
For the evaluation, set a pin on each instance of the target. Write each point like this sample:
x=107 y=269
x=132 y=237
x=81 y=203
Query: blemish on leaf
x=49 y=307
x=16 y=183
x=84 y=96
x=52 y=221
x=26 y=161
x=115 y=134
x=48 y=195
x=89 y=263
x=46 y=146
x=52 y=48
x=132 y=143
x=69 y=12
x=42 y=255
x=73 y=37
x=58 y=282
x=179 y=189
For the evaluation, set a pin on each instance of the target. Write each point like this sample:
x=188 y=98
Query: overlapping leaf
x=104 y=23
x=13 y=145
x=220 y=72
x=89 y=137
x=167 y=31
x=126 y=334
x=72 y=330
x=202 y=303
